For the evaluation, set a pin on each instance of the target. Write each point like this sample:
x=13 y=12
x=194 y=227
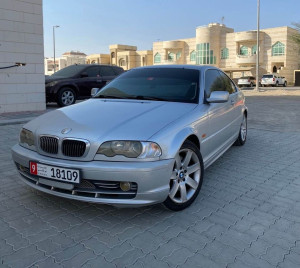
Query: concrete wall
x=21 y=40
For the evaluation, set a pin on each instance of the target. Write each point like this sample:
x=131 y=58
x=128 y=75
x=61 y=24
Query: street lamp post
x=56 y=26
x=257 y=47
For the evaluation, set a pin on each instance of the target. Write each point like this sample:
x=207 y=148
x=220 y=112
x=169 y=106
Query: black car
x=76 y=81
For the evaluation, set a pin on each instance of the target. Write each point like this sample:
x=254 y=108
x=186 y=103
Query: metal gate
x=297 y=78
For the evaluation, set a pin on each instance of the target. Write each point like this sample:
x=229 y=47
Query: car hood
x=56 y=78
x=102 y=120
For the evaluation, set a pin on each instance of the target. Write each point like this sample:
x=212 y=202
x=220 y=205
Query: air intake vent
x=49 y=144
x=73 y=148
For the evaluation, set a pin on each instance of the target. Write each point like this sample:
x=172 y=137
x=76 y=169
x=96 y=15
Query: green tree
x=296 y=37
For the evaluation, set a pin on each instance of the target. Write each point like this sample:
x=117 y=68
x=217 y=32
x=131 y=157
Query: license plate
x=55 y=173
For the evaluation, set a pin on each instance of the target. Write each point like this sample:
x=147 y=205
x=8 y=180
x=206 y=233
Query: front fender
x=174 y=142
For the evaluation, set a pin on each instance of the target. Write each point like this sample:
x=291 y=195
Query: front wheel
x=66 y=96
x=242 y=133
x=187 y=177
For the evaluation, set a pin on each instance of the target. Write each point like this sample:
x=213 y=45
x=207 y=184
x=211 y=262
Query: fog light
x=125 y=186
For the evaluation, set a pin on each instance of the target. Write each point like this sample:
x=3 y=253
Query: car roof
x=93 y=64
x=179 y=66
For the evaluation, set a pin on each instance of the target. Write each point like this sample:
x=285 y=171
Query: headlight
x=131 y=149
x=26 y=137
x=51 y=84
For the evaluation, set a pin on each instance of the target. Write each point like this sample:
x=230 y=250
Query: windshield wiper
x=139 y=97
x=110 y=97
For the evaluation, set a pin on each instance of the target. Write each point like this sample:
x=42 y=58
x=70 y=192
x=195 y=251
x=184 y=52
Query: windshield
x=268 y=76
x=69 y=71
x=163 y=84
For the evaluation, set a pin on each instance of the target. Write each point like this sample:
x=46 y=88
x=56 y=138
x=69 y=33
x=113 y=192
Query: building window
x=193 y=56
x=244 y=51
x=278 y=49
x=225 y=53
x=171 y=56
x=204 y=55
x=157 y=58
x=122 y=62
x=178 y=55
x=254 y=50
x=113 y=55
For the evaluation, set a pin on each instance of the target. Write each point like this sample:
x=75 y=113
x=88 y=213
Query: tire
x=277 y=84
x=242 y=133
x=66 y=96
x=187 y=177
x=284 y=84
x=251 y=84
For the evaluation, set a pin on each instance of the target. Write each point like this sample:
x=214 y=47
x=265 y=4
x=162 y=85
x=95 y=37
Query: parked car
x=145 y=138
x=76 y=81
x=273 y=80
x=247 y=81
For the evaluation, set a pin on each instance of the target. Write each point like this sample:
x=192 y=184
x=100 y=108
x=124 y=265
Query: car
x=76 y=81
x=144 y=138
x=248 y=81
x=273 y=80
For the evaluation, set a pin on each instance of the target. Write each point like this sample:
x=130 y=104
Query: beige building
x=234 y=52
x=22 y=88
x=67 y=59
x=125 y=56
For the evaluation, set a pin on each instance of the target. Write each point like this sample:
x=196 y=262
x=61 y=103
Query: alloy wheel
x=244 y=129
x=185 y=176
x=67 y=97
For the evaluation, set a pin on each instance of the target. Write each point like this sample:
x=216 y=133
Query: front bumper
x=150 y=178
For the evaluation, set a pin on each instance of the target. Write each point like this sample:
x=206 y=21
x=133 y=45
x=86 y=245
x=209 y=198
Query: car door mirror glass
x=218 y=97
x=94 y=91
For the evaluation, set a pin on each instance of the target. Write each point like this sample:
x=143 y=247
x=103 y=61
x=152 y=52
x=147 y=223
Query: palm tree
x=296 y=37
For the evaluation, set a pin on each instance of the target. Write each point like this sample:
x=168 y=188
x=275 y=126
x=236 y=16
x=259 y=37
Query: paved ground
x=247 y=213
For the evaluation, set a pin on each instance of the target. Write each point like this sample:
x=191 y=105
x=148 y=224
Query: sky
x=90 y=26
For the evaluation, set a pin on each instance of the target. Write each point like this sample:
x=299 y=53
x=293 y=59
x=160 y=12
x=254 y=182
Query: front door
x=90 y=79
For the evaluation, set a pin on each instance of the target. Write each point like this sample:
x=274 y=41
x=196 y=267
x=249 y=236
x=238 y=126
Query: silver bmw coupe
x=144 y=138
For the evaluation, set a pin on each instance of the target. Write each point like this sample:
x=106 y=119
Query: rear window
x=118 y=70
x=267 y=76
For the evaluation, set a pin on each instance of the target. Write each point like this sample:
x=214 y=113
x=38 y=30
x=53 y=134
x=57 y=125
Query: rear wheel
x=187 y=177
x=242 y=133
x=66 y=96
x=251 y=84
x=284 y=84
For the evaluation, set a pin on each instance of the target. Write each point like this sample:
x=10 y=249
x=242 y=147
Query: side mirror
x=94 y=91
x=84 y=74
x=218 y=97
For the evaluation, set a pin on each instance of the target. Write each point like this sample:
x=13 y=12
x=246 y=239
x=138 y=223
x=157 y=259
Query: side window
x=213 y=82
x=106 y=71
x=118 y=70
x=92 y=72
x=228 y=85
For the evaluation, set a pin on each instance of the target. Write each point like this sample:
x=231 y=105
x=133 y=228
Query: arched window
x=93 y=62
x=193 y=56
x=244 y=50
x=122 y=62
x=224 y=53
x=157 y=58
x=254 y=50
x=171 y=56
x=278 y=49
x=178 y=55
x=113 y=55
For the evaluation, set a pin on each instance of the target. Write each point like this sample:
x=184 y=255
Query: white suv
x=273 y=80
